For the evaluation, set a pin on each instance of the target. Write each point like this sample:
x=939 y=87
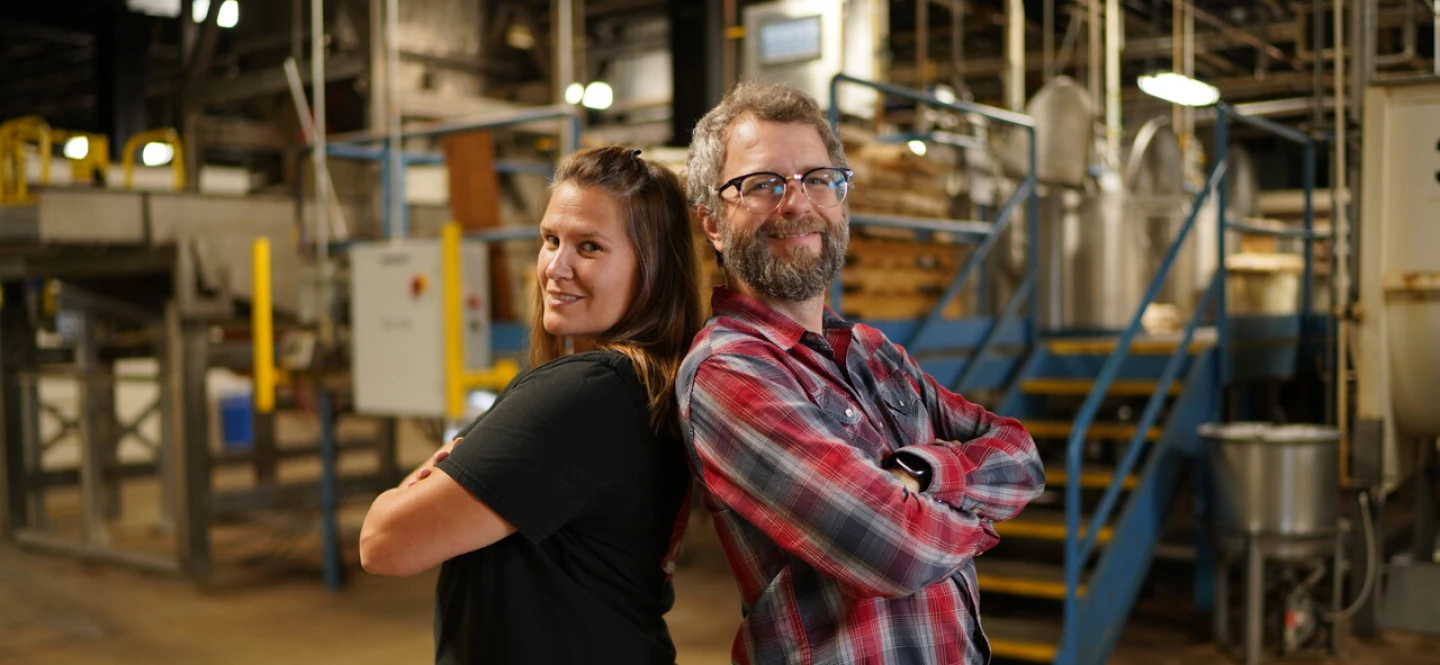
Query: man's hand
x=910 y=482
x=429 y=466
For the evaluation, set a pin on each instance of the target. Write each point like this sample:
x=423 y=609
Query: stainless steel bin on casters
x=1275 y=493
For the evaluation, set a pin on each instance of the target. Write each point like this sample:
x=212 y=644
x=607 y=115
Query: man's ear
x=710 y=224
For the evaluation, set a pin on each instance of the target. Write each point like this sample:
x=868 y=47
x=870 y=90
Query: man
x=851 y=491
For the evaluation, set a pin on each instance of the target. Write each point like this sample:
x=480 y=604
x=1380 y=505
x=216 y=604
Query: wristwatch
x=913 y=465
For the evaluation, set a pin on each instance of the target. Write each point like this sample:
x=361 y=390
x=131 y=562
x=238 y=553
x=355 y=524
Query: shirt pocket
x=837 y=408
x=905 y=410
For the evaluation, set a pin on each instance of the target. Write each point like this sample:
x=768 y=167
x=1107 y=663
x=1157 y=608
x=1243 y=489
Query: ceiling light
x=574 y=93
x=1179 y=89
x=918 y=147
x=598 y=96
x=77 y=147
x=229 y=13
x=156 y=154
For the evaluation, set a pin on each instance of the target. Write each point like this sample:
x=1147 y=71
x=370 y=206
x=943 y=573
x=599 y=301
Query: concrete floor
x=272 y=608
x=267 y=603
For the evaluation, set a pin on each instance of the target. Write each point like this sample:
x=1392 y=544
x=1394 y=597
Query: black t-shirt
x=566 y=455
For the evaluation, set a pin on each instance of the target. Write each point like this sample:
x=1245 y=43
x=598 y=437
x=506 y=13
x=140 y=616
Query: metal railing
x=136 y=143
x=1080 y=545
x=396 y=221
x=14 y=179
x=987 y=235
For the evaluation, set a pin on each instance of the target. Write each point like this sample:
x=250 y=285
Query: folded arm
x=788 y=467
x=428 y=519
x=981 y=462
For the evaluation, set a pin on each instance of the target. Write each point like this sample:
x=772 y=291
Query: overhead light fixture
x=918 y=147
x=574 y=93
x=228 y=17
x=76 y=148
x=598 y=95
x=1179 y=89
x=156 y=154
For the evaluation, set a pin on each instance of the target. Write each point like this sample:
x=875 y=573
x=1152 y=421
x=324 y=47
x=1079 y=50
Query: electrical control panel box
x=397 y=314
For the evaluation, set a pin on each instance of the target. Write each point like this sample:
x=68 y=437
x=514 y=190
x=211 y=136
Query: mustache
x=789 y=226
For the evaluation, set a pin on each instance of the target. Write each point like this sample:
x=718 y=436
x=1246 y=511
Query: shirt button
x=849 y=413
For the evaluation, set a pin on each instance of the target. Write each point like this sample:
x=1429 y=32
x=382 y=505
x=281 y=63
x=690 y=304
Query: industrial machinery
x=1396 y=363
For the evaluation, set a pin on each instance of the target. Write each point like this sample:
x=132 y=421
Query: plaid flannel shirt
x=836 y=561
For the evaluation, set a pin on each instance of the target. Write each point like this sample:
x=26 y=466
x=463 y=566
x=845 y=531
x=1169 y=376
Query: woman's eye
x=589 y=246
x=549 y=241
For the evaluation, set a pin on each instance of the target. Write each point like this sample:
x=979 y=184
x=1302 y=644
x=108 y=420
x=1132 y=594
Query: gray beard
x=795 y=276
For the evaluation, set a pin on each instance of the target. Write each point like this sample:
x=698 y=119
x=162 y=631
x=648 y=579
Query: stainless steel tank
x=1279 y=482
x=1155 y=179
x=1064 y=129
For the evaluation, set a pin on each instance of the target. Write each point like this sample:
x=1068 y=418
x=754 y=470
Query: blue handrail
x=1027 y=190
x=1075 y=551
x=1078 y=548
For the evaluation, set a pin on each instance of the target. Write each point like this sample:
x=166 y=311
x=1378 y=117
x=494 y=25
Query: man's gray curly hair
x=763 y=101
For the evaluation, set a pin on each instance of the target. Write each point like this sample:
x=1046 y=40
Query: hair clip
x=635 y=154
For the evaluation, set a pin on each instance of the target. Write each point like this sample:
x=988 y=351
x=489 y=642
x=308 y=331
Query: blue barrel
x=237 y=421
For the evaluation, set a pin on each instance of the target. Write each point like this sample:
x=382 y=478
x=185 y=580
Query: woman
x=558 y=515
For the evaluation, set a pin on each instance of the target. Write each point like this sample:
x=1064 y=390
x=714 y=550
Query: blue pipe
x=1032 y=243
x=333 y=569
x=1223 y=109
x=1222 y=317
x=1309 y=276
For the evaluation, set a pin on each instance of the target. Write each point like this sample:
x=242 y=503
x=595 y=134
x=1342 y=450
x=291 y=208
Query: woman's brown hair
x=664 y=313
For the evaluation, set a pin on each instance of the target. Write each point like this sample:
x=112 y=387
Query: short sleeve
x=555 y=443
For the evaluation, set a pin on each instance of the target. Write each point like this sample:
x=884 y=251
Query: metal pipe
x=262 y=331
x=1317 y=31
x=1092 y=44
x=565 y=57
x=1114 y=41
x=1047 y=41
x=957 y=47
x=1014 y=55
x=317 y=155
x=396 y=190
x=922 y=42
x=1340 y=226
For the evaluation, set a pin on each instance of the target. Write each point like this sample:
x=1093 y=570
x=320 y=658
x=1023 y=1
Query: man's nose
x=794 y=202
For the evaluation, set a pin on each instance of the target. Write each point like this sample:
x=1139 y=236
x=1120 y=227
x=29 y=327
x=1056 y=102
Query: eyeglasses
x=762 y=192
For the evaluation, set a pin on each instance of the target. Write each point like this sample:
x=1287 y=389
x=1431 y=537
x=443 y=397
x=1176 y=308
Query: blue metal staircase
x=1057 y=386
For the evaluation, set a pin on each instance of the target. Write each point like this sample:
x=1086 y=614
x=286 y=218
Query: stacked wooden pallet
x=892 y=180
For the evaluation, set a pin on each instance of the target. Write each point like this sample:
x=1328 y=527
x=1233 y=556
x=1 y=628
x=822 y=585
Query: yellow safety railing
x=14 y=134
x=262 y=327
x=164 y=135
x=457 y=378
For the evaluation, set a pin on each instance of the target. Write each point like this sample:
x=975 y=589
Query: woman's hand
x=428 y=467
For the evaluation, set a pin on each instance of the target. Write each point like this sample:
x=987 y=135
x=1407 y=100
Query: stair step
x=1060 y=429
x=1159 y=345
x=1097 y=479
x=1031 y=579
x=1082 y=387
x=1018 y=639
x=1044 y=525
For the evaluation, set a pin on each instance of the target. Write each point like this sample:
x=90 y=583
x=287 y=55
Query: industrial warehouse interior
x=259 y=259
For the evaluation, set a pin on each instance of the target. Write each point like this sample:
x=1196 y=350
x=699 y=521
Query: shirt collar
x=779 y=329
